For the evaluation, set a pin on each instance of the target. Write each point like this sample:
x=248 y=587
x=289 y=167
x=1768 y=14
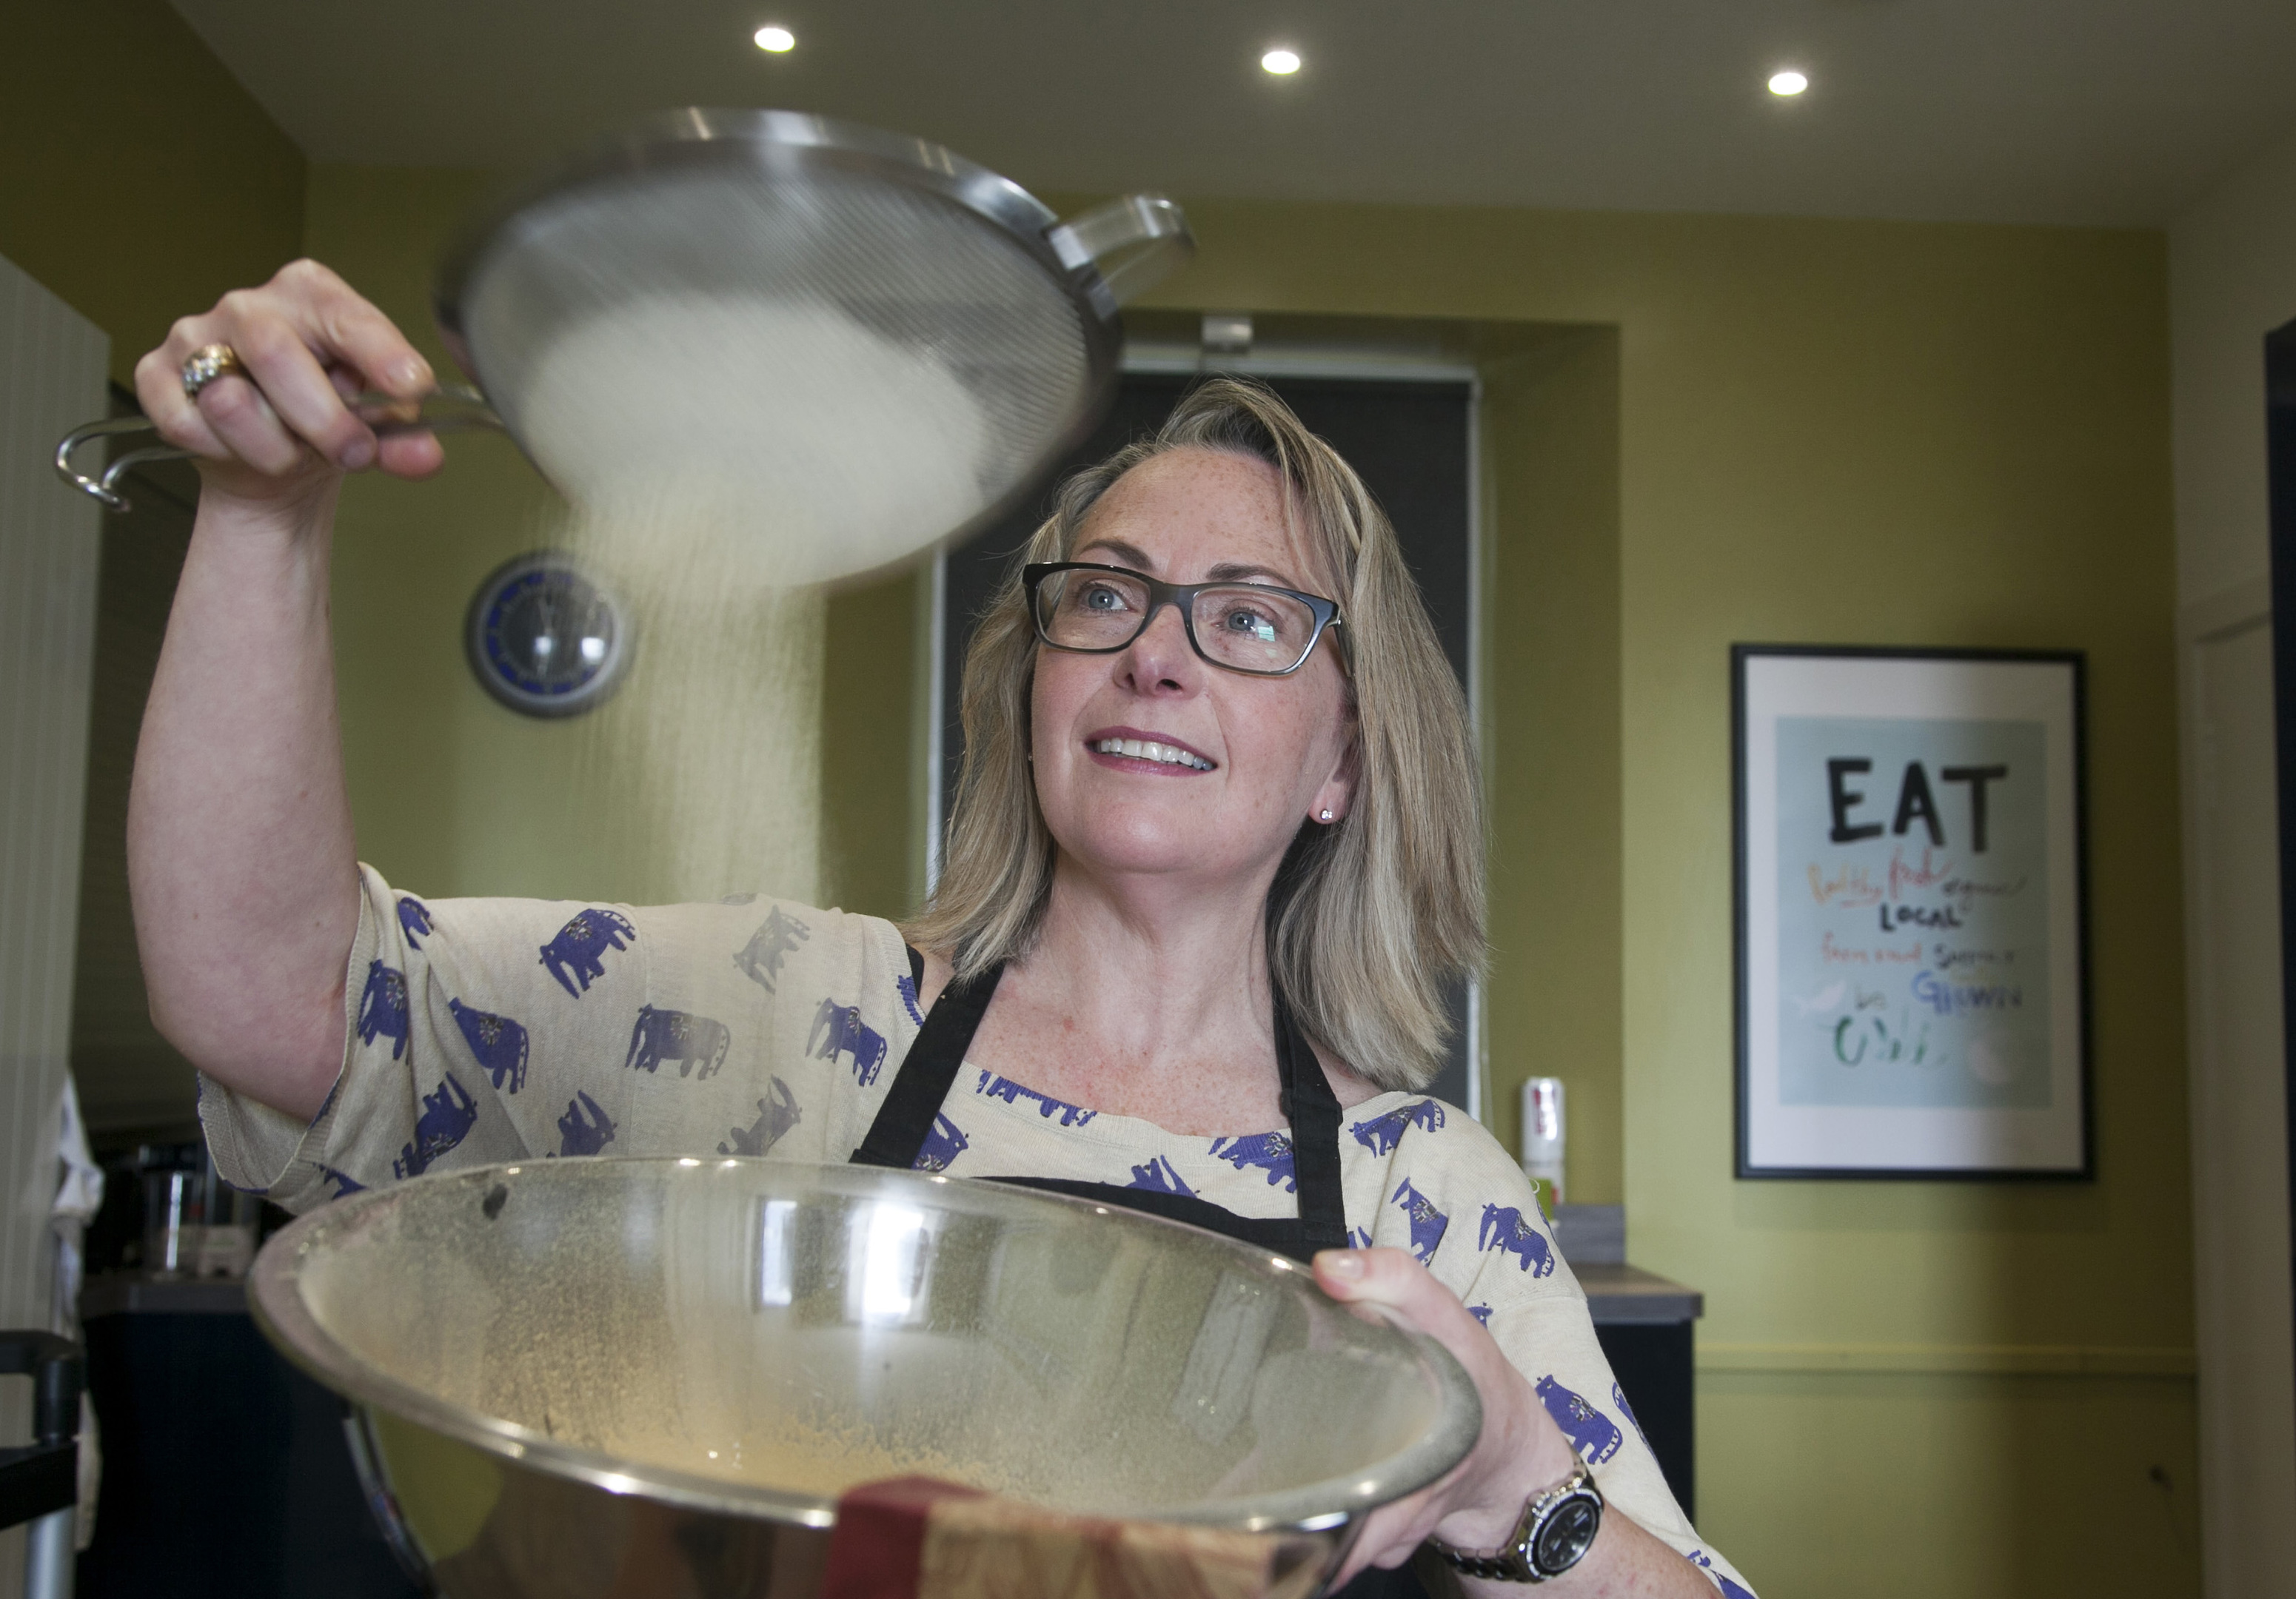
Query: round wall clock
x=545 y=638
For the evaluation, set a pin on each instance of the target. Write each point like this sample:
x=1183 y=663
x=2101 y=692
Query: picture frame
x=1910 y=879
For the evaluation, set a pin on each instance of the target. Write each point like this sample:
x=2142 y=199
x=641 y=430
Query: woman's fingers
x=309 y=345
x=285 y=365
x=235 y=411
x=1394 y=1279
x=350 y=329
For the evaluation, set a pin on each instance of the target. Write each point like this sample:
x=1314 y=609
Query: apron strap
x=925 y=1074
x=1313 y=1110
x=922 y=1082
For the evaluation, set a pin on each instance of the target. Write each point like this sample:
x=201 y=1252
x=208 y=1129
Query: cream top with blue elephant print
x=479 y=1030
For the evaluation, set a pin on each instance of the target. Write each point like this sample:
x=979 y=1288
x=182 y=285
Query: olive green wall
x=1703 y=430
x=138 y=181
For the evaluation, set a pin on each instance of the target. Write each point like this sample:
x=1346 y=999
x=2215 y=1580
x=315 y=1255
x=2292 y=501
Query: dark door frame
x=2280 y=444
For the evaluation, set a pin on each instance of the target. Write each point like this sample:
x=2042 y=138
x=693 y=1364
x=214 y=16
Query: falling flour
x=710 y=755
x=796 y=445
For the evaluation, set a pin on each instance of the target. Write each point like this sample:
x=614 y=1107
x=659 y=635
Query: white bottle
x=1542 y=1137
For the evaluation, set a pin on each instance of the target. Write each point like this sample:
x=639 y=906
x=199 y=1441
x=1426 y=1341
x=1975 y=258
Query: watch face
x=545 y=640
x=1567 y=1534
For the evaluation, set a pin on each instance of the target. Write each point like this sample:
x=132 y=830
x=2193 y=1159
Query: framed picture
x=1911 y=939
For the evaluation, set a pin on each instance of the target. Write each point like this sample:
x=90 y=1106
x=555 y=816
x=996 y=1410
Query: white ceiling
x=2094 y=111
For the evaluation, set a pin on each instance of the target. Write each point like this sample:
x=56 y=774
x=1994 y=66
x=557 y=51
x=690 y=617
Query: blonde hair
x=1369 y=920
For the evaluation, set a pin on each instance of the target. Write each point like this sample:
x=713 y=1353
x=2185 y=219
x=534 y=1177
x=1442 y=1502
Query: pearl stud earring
x=1327 y=816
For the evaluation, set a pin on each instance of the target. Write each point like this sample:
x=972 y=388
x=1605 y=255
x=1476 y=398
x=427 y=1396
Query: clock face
x=544 y=639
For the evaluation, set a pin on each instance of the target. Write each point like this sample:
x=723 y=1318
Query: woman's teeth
x=1141 y=748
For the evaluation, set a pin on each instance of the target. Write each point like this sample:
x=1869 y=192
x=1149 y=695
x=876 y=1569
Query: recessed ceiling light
x=1788 y=82
x=1282 y=62
x=776 y=39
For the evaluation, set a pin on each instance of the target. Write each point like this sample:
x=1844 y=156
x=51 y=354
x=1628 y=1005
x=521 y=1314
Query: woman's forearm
x=240 y=849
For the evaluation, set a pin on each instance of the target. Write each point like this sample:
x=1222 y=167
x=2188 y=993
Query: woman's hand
x=1520 y=1452
x=279 y=438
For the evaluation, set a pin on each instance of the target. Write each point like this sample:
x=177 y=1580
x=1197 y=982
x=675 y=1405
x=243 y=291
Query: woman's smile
x=1158 y=754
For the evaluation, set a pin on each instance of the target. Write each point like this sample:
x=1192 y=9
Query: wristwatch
x=1557 y=1528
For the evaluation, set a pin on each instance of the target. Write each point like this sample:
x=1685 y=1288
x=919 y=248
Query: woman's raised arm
x=240 y=853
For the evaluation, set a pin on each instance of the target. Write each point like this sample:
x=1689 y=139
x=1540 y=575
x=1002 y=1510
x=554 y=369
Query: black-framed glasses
x=1252 y=628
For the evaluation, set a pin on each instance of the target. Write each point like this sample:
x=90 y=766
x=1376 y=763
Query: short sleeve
x=488 y=1029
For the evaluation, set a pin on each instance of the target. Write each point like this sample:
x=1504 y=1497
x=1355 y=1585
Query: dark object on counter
x=224 y=1470
x=1642 y=1322
x=41 y=1484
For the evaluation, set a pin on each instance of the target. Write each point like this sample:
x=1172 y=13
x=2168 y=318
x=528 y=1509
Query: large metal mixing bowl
x=609 y=1377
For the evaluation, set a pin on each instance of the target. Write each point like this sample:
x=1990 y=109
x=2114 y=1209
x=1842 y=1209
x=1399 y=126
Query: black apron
x=922 y=1082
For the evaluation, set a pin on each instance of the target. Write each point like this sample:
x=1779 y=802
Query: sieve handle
x=1134 y=244
x=450 y=408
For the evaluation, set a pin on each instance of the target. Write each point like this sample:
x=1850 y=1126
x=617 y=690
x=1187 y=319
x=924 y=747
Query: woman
x=1217 y=852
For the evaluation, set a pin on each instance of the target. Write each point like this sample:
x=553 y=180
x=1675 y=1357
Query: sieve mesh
x=842 y=368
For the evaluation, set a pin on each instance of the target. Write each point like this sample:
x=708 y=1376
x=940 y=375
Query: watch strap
x=1514 y=1560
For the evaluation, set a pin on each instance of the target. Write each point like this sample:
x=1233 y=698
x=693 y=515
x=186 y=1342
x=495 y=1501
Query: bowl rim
x=275 y=1299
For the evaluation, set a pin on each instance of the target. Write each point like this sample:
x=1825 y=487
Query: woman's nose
x=1160 y=661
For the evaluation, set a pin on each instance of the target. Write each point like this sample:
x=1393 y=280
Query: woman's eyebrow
x=1236 y=572
x=1226 y=571
x=1131 y=556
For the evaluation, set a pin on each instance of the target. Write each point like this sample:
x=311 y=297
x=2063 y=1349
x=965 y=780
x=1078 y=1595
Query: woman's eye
x=1100 y=597
x=1250 y=623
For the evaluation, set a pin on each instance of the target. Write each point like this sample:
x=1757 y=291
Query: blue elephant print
x=1360 y=1238
x=1158 y=1177
x=343 y=1181
x=498 y=1043
x=382 y=1008
x=584 y=1135
x=942 y=1145
x=1482 y=1313
x=1593 y=1434
x=906 y=987
x=1381 y=1133
x=777 y=1114
x=448 y=1117
x=578 y=951
x=761 y=957
x=691 y=1041
x=1427 y=1225
x=414 y=919
x=1506 y=1230
x=838 y=1030
x=1013 y=1094
x=1269 y=1152
x=1730 y=1590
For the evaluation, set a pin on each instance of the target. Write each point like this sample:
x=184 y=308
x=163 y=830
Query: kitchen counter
x=1618 y=1292
x=1645 y=1323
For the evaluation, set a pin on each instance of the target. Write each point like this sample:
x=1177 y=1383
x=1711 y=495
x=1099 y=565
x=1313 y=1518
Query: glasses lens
x=1253 y=629
x=1090 y=611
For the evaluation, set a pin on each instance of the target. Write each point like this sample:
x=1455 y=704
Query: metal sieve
x=885 y=341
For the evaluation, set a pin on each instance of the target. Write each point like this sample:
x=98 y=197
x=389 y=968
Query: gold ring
x=209 y=362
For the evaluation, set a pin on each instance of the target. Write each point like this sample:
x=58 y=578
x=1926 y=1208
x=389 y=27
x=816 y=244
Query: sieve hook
x=1136 y=243
x=450 y=408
